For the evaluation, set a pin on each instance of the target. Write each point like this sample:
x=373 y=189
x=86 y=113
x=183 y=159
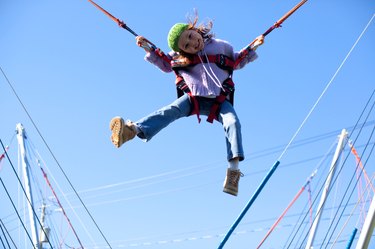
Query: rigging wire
x=15 y=209
x=60 y=189
x=34 y=155
x=347 y=189
x=352 y=212
x=359 y=162
x=306 y=184
x=321 y=188
x=273 y=168
x=58 y=201
x=325 y=89
x=196 y=170
x=287 y=209
x=6 y=230
x=340 y=216
x=33 y=176
x=354 y=174
x=98 y=203
x=24 y=192
x=360 y=188
x=55 y=158
x=2 y=242
x=166 y=176
x=275 y=149
x=206 y=234
x=310 y=140
x=308 y=206
x=364 y=124
x=2 y=156
x=339 y=172
x=5 y=237
x=302 y=237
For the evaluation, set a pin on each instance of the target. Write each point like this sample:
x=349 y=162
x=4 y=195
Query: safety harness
x=227 y=90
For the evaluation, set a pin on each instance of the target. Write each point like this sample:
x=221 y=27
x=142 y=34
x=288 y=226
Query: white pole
x=368 y=228
x=27 y=186
x=332 y=169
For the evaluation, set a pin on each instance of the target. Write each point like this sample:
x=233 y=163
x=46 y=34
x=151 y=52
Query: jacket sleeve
x=250 y=56
x=159 y=62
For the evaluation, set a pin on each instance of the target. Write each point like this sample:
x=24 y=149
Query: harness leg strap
x=195 y=109
x=215 y=108
x=228 y=89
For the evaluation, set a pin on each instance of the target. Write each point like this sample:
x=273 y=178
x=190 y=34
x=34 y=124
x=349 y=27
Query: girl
x=207 y=82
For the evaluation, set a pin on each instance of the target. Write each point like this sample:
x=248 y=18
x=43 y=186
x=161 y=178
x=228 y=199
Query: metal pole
x=25 y=171
x=327 y=186
x=351 y=239
x=368 y=228
x=251 y=201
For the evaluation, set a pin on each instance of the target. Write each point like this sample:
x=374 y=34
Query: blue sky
x=73 y=70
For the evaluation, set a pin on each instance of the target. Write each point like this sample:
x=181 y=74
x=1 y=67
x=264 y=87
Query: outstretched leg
x=150 y=125
x=235 y=154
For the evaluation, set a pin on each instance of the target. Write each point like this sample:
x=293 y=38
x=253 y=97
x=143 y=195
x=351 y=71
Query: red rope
x=58 y=201
x=286 y=210
x=360 y=168
x=359 y=163
x=282 y=216
x=3 y=155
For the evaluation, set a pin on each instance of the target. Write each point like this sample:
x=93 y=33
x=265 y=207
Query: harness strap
x=182 y=88
x=228 y=90
x=162 y=55
x=221 y=60
x=195 y=107
x=243 y=53
x=228 y=87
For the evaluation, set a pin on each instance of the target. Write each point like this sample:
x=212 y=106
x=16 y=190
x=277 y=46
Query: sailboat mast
x=314 y=227
x=27 y=186
x=368 y=228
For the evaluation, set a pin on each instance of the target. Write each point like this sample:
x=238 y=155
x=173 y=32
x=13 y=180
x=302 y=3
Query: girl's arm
x=248 y=53
x=156 y=57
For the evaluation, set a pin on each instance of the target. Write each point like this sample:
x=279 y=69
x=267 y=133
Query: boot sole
x=230 y=191
x=116 y=126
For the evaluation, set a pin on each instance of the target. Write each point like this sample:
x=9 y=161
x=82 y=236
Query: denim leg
x=156 y=121
x=232 y=129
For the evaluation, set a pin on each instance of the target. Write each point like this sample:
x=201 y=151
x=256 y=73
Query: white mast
x=368 y=228
x=25 y=171
x=332 y=169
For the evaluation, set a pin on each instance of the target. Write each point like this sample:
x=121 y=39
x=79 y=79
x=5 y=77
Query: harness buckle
x=228 y=86
x=220 y=59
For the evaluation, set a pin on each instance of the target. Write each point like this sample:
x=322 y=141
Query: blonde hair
x=202 y=28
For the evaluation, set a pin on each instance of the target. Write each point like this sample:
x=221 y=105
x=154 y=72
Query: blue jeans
x=156 y=121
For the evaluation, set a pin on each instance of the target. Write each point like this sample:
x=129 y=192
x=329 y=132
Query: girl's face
x=190 y=41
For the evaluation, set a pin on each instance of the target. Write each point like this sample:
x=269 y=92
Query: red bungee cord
x=277 y=24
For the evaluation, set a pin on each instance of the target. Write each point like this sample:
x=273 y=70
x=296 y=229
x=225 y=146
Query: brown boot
x=231 y=181
x=121 y=132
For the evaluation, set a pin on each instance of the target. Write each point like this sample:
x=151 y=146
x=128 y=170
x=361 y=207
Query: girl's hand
x=258 y=41
x=143 y=43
